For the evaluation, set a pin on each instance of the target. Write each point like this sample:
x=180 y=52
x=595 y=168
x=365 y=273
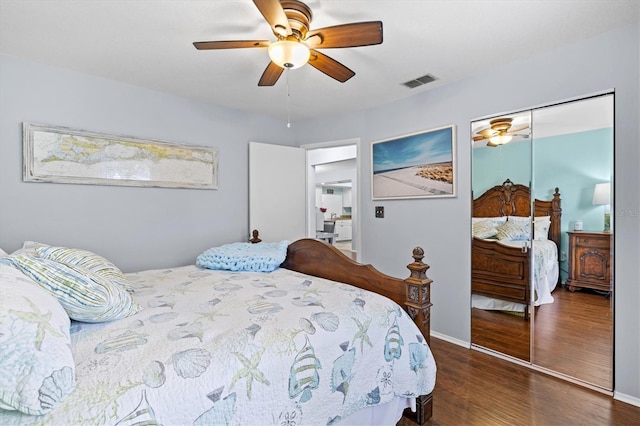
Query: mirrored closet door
x=542 y=233
x=501 y=176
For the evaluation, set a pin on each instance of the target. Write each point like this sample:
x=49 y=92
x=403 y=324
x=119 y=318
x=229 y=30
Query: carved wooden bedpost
x=418 y=302
x=418 y=305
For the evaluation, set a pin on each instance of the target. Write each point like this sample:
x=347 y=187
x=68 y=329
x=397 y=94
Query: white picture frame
x=64 y=155
x=417 y=165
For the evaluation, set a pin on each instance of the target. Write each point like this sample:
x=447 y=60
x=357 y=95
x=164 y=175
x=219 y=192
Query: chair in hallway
x=328 y=233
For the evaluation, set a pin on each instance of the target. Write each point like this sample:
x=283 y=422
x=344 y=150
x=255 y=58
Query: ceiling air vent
x=428 y=78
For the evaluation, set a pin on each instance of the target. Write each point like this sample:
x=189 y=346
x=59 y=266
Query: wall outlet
x=380 y=211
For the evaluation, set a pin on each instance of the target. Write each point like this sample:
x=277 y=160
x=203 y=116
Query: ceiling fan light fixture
x=500 y=139
x=288 y=54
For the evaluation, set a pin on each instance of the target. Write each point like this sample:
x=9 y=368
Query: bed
x=308 y=343
x=501 y=268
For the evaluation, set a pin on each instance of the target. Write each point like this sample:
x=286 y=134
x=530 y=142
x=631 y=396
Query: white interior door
x=277 y=191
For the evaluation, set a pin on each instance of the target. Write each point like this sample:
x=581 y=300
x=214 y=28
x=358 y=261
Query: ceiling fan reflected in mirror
x=297 y=45
x=500 y=132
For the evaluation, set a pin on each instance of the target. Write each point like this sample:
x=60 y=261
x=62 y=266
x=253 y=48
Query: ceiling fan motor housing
x=299 y=17
x=501 y=124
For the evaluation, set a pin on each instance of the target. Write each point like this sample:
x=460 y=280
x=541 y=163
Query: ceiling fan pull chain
x=286 y=71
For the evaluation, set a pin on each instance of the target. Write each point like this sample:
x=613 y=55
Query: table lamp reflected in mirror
x=602 y=197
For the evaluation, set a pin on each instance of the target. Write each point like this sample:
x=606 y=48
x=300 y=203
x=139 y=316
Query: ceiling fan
x=499 y=132
x=296 y=44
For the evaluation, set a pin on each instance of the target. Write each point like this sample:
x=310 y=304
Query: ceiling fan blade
x=270 y=75
x=346 y=35
x=231 y=44
x=486 y=133
x=330 y=67
x=274 y=14
x=478 y=138
x=518 y=129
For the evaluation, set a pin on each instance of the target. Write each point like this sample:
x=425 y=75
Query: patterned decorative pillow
x=37 y=370
x=512 y=231
x=86 y=296
x=87 y=260
x=484 y=229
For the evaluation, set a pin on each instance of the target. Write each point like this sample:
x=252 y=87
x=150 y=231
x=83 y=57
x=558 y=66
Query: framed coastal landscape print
x=418 y=165
x=64 y=155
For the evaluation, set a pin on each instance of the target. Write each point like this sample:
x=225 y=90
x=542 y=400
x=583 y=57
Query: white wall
x=442 y=226
x=137 y=228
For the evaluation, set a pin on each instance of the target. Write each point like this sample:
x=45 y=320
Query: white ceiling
x=566 y=118
x=149 y=43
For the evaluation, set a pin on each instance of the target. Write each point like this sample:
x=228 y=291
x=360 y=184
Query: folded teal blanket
x=262 y=257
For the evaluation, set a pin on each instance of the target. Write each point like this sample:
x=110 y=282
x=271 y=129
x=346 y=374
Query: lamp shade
x=500 y=139
x=289 y=54
x=602 y=194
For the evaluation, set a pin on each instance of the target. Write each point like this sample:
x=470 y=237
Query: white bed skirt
x=381 y=415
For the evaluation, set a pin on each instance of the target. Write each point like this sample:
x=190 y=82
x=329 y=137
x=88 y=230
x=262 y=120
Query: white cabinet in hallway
x=344 y=230
x=346 y=197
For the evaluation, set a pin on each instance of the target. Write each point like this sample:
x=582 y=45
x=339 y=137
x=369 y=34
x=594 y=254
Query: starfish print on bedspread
x=361 y=334
x=249 y=371
x=40 y=320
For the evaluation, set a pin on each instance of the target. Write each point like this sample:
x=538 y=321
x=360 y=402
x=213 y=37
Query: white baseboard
x=450 y=339
x=627 y=398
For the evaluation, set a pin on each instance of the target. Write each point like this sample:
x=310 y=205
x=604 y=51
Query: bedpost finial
x=418 y=254
x=418 y=268
x=255 y=239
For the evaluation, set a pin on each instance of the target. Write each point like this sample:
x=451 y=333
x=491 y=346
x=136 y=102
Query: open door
x=277 y=191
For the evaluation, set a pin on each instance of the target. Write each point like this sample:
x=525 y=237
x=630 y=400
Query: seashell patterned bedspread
x=225 y=348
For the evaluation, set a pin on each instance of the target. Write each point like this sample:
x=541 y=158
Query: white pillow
x=520 y=220
x=498 y=220
x=541 y=227
x=37 y=370
x=3 y=253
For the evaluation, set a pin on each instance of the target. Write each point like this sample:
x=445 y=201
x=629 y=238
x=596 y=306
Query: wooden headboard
x=511 y=199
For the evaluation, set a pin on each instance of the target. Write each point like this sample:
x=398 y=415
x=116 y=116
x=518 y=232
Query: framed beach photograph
x=418 y=165
x=64 y=155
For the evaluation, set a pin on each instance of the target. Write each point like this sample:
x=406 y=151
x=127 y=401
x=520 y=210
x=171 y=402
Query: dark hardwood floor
x=573 y=335
x=502 y=332
x=474 y=388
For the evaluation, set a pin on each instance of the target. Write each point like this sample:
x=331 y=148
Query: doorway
x=332 y=193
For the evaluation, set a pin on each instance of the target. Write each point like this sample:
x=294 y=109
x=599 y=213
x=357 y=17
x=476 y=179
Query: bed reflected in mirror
x=501 y=235
x=549 y=178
